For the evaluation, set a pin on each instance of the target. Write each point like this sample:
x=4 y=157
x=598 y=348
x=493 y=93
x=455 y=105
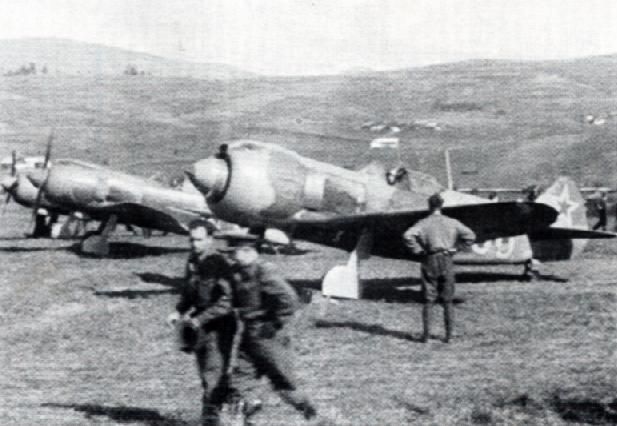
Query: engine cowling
x=254 y=184
x=75 y=186
x=251 y=183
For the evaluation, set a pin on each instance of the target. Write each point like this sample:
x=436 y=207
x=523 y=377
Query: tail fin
x=564 y=196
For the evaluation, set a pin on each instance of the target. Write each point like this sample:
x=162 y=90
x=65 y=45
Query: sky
x=307 y=37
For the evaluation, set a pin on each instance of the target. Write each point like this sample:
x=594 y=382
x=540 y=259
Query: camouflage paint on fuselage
x=100 y=192
x=264 y=185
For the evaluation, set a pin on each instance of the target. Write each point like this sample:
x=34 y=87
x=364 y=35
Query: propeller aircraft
x=101 y=194
x=113 y=197
x=261 y=185
x=18 y=187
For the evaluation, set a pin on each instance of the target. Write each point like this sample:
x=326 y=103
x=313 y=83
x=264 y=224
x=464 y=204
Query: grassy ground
x=84 y=341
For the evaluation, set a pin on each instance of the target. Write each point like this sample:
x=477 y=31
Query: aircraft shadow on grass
x=388 y=289
x=174 y=284
x=132 y=294
x=412 y=408
x=17 y=249
x=122 y=414
x=373 y=329
x=572 y=410
x=123 y=250
x=586 y=411
x=154 y=278
x=407 y=289
x=116 y=250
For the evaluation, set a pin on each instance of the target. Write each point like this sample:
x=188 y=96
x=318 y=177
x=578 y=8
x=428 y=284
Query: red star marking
x=565 y=206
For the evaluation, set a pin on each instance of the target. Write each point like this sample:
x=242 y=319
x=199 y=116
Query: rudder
x=564 y=196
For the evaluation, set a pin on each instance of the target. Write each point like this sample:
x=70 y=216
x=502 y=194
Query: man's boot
x=426 y=321
x=300 y=402
x=210 y=415
x=448 y=318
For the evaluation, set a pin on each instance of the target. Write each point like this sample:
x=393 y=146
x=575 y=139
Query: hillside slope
x=60 y=56
x=507 y=123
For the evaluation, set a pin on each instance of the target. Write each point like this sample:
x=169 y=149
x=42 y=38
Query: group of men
x=234 y=313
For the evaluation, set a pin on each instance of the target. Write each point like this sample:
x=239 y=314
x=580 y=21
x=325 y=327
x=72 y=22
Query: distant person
x=42 y=224
x=532 y=192
x=265 y=303
x=601 y=209
x=493 y=197
x=436 y=238
x=205 y=318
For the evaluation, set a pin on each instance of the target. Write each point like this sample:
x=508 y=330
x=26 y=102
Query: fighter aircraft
x=261 y=185
x=114 y=197
x=19 y=188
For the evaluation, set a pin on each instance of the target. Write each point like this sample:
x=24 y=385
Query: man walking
x=436 y=239
x=265 y=303
x=205 y=317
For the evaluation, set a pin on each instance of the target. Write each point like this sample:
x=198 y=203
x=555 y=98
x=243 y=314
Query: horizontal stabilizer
x=556 y=233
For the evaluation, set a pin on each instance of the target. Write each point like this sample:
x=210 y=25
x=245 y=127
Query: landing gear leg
x=97 y=244
x=532 y=270
x=42 y=229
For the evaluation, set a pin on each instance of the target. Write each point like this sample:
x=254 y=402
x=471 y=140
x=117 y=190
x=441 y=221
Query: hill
x=507 y=123
x=59 y=56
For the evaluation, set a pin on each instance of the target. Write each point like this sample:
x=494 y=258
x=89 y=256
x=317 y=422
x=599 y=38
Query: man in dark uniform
x=205 y=317
x=601 y=209
x=265 y=304
x=436 y=239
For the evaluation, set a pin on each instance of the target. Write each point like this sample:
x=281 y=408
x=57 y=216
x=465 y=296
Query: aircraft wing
x=488 y=220
x=557 y=233
x=161 y=217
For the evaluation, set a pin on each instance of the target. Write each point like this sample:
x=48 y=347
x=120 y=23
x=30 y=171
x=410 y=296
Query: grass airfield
x=84 y=341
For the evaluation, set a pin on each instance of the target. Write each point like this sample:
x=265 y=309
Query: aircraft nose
x=37 y=177
x=209 y=176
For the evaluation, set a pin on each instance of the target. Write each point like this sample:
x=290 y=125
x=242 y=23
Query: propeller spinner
x=212 y=175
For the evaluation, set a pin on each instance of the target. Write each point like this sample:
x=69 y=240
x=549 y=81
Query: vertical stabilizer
x=564 y=196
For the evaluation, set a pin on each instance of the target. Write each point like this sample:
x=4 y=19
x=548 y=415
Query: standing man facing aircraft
x=206 y=315
x=436 y=238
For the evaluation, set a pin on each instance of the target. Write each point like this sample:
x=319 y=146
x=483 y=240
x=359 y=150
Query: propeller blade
x=6 y=203
x=37 y=201
x=14 y=163
x=39 y=195
x=36 y=205
x=50 y=138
